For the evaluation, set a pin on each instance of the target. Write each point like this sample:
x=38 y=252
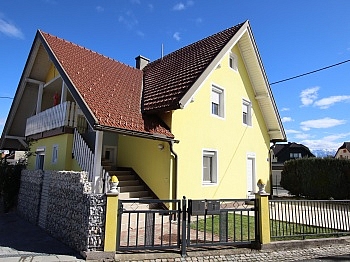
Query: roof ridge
x=87 y=49
x=194 y=43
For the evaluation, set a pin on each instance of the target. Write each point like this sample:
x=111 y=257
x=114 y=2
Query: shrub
x=317 y=178
x=10 y=176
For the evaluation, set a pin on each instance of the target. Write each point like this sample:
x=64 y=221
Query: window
x=217 y=101
x=54 y=154
x=233 y=61
x=247 y=112
x=295 y=155
x=40 y=157
x=209 y=167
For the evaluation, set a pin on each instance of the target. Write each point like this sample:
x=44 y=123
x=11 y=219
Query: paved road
x=22 y=241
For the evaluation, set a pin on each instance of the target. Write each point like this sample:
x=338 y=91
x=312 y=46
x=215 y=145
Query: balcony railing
x=65 y=114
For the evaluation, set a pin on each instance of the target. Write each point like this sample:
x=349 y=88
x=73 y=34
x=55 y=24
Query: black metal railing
x=299 y=219
x=178 y=224
x=148 y=224
x=221 y=222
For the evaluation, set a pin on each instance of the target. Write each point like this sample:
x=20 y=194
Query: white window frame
x=213 y=154
x=233 y=61
x=215 y=90
x=40 y=158
x=247 y=116
x=54 y=159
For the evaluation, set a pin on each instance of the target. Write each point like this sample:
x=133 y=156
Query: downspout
x=270 y=164
x=174 y=181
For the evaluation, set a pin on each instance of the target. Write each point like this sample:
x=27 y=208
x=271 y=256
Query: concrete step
x=125 y=177
x=124 y=183
x=137 y=194
x=131 y=188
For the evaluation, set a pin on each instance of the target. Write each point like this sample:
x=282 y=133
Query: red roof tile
x=167 y=80
x=110 y=89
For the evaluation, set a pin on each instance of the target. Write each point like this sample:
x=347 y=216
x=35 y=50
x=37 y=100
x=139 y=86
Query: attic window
x=217 y=101
x=247 y=112
x=233 y=61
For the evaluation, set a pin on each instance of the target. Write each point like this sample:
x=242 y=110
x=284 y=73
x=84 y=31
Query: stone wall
x=29 y=195
x=74 y=215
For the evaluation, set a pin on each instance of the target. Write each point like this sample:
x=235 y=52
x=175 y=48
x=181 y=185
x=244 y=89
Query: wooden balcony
x=67 y=114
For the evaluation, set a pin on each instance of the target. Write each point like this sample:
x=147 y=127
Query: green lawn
x=242 y=228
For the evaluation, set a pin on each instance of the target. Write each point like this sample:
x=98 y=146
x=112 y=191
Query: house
x=284 y=152
x=343 y=152
x=197 y=122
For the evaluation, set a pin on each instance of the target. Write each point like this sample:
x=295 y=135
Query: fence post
x=183 y=227
x=110 y=242
x=264 y=217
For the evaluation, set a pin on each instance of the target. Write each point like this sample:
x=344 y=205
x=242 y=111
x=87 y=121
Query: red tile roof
x=168 y=79
x=111 y=90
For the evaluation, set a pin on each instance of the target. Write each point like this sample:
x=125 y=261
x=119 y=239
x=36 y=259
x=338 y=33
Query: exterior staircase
x=130 y=184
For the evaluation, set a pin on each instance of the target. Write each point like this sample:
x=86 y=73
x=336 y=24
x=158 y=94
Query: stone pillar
x=264 y=217
x=110 y=243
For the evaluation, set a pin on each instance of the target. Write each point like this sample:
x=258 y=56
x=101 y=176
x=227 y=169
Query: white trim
x=222 y=103
x=54 y=158
x=234 y=58
x=248 y=104
x=253 y=180
x=215 y=155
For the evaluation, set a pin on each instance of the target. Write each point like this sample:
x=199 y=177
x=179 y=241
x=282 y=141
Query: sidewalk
x=23 y=241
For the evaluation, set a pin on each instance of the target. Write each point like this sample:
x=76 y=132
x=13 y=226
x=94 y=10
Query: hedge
x=317 y=178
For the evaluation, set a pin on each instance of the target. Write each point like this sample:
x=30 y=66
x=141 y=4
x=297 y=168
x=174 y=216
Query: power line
x=6 y=97
x=308 y=73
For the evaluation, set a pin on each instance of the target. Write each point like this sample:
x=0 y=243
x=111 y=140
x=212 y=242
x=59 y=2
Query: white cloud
x=10 y=29
x=302 y=136
x=199 y=20
x=321 y=123
x=287 y=119
x=291 y=131
x=99 y=9
x=178 y=7
x=150 y=7
x=325 y=103
x=285 y=109
x=176 y=36
x=309 y=95
x=128 y=19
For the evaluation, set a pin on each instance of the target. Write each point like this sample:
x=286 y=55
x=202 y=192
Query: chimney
x=141 y=62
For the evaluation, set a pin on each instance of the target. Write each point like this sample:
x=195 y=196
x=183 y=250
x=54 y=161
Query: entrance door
x=110 y=154
x=251 y=179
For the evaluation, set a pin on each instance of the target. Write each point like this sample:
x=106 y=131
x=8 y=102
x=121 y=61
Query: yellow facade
x=197 y=129
x=64 y=144
x=151 y=163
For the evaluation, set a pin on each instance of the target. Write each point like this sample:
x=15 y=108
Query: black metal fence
x=180 y=224
x=305 y=218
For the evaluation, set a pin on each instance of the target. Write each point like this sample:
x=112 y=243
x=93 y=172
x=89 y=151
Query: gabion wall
x=74 y=215
x=29 y=194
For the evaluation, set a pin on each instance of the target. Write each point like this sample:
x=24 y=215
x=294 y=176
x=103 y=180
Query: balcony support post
x=97 y=181
x=63 y=93
x=40 y=98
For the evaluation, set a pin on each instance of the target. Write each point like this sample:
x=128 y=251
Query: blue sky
x=293 y=37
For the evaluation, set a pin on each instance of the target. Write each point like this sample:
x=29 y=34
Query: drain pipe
x=174 y=181
x=270 y=164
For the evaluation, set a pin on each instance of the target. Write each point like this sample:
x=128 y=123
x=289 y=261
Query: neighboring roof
x=345 y=145
x=167 y=79
x=111 y=90
x=279 y=148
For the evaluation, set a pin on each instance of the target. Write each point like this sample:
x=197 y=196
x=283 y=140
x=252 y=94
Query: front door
x=251 y=180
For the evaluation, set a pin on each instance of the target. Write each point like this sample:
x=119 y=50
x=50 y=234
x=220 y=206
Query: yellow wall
x=64 y=161
x=150 y=163
x=197 y=129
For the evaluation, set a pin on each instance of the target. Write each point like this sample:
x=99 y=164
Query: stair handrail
x=83 y=154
